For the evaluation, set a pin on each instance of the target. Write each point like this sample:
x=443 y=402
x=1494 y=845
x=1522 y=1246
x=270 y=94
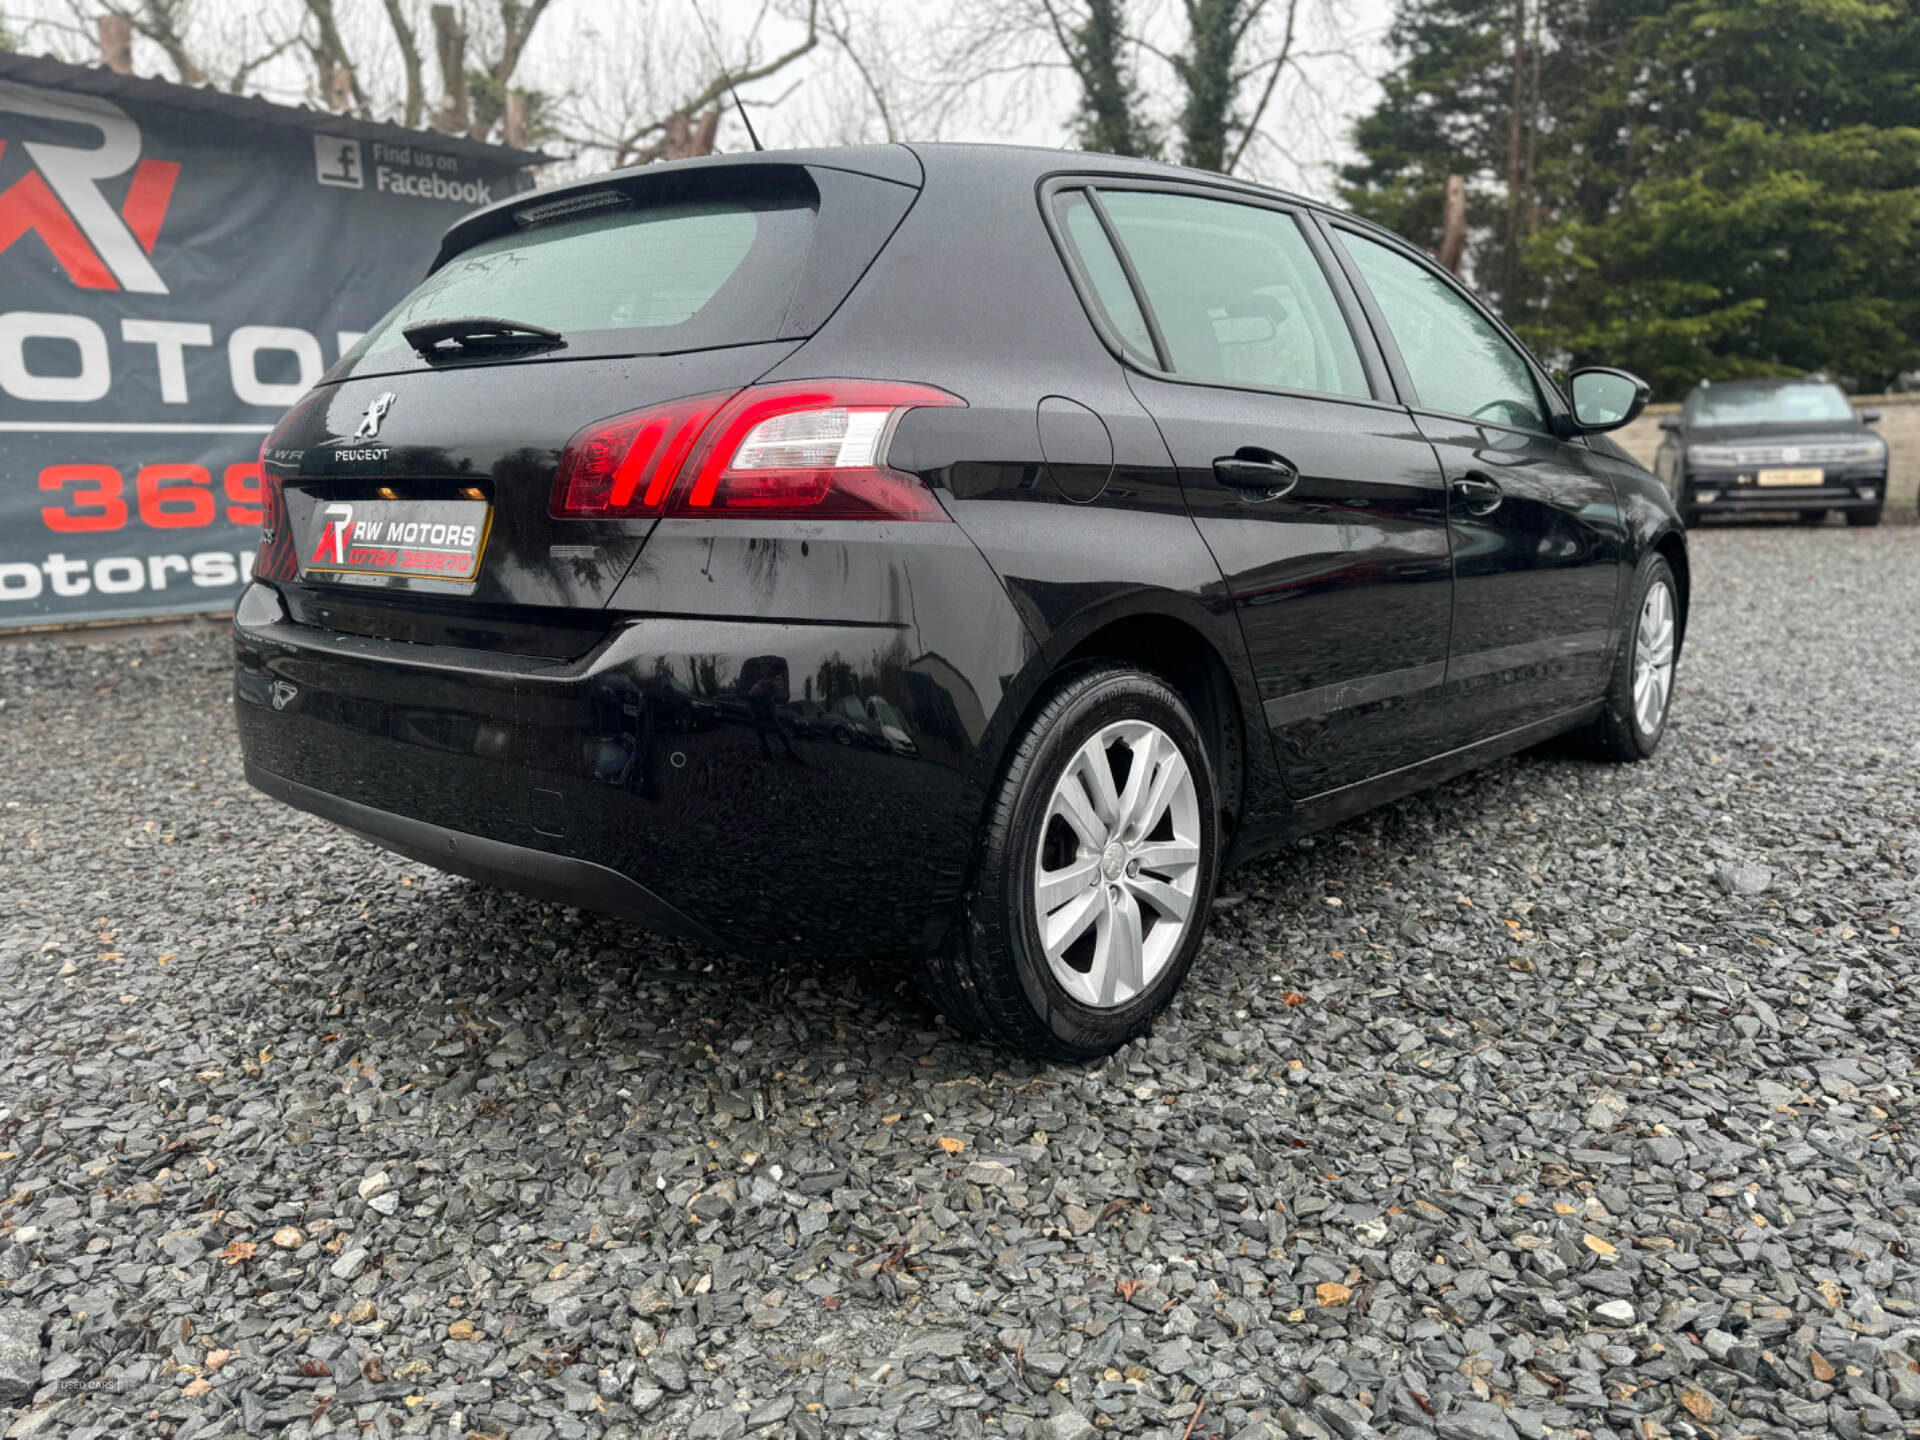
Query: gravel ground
x=1564 y=1100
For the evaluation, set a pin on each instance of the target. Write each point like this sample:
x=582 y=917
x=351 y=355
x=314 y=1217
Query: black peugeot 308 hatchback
x=957 y=552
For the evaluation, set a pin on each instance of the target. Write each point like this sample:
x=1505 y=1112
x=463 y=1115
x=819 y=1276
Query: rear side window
x=1237 y=293
x=1110 y=288
x=627 y=279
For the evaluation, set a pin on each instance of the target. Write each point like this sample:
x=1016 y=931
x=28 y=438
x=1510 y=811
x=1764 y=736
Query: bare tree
x=852 y=38
x=1453 y=226
x=450 y=47
x=478 y=46
x=475 y=95
x=415 y=105
x=191 y=33
x=330 y=61
x=1220 y=66
x=116 y=44
x=637 y=110
x=164 y=23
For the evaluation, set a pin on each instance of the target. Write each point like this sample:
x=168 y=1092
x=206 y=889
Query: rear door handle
x=1270 y=475
x=1478 y=494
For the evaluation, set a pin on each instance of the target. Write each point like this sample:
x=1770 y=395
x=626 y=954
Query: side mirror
x=1670 y=422
x=1606 y=399
x=1869 y=417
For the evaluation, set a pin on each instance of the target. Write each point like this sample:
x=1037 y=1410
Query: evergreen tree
x=1110 y=103
x=1206 y=71
x=1708 y=188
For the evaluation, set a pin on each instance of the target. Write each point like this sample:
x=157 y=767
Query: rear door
x=1320 y=499
x=1538 y=541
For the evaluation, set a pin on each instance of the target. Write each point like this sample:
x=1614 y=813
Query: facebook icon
x=337 y=162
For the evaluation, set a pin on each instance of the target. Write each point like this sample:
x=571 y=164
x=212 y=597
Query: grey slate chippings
x=1566 y=1100
x=19 y=1351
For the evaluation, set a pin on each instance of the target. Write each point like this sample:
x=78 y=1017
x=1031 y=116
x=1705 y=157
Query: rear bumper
x=539 y=873
x=654 y=778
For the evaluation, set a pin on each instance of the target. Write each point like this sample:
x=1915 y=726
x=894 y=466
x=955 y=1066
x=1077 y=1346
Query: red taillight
x=810 y=450
x=627 y=465
x=275 y=560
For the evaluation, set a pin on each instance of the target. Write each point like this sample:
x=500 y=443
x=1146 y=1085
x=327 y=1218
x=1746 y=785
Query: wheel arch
x=1671 y=546
x=1174 y=637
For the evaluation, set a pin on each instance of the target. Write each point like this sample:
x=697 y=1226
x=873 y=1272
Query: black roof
x=910 y=163
x=1035 y=162
x=245 y=109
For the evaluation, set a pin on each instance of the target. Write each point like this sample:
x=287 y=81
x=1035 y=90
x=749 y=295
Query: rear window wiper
x=465 y=332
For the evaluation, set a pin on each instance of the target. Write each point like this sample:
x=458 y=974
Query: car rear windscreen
x=622 y=279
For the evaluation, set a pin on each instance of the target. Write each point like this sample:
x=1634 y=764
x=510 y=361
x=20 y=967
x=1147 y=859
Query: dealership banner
x=170 y=283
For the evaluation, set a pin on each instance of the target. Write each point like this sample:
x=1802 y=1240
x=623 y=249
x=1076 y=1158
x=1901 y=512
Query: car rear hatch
x=412 y=495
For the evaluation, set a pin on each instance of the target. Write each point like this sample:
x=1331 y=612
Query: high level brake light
x=807 y=450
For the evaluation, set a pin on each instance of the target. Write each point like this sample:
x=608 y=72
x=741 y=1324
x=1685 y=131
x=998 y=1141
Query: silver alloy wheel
x=1653 y=658
x=1118 y=863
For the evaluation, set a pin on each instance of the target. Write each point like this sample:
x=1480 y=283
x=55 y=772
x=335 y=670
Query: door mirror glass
x=1606 y=399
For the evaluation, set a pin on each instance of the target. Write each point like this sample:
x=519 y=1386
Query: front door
x=1323 y=505
x=1538 y=541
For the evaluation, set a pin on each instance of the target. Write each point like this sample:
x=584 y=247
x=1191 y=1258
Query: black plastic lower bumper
x=1863 y=492
x=539 y=873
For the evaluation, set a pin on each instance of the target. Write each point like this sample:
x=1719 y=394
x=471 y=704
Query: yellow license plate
x=1791 y=477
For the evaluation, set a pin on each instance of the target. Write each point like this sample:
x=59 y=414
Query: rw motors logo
x=60 y=199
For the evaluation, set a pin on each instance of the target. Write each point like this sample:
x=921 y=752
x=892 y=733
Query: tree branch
x=731 y=80
x=514 y=42
x=1266 y=93
x=332 y=53
x=410 y=62
x=247 y=67
x=839 y=30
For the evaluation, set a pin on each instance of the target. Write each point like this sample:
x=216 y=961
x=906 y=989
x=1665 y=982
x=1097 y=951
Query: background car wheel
x=1640 y=692
x=1813 y=517
x=1093 y=874
x=1860 y=519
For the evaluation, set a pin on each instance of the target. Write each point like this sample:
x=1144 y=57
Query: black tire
x=1617 y=734
x=991 y=975
x=1813 y=517
x=1862 y=519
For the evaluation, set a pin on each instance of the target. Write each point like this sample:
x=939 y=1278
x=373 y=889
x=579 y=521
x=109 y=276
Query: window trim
x=1088 y=291
x=1162 y=352
x=1374 y=368
x=1552 y=401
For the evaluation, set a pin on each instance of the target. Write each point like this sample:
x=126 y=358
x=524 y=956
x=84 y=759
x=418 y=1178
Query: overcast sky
x=610 y=49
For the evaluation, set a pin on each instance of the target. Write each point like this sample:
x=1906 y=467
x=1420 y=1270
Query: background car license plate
x=424 y=539
x=1791 y=477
